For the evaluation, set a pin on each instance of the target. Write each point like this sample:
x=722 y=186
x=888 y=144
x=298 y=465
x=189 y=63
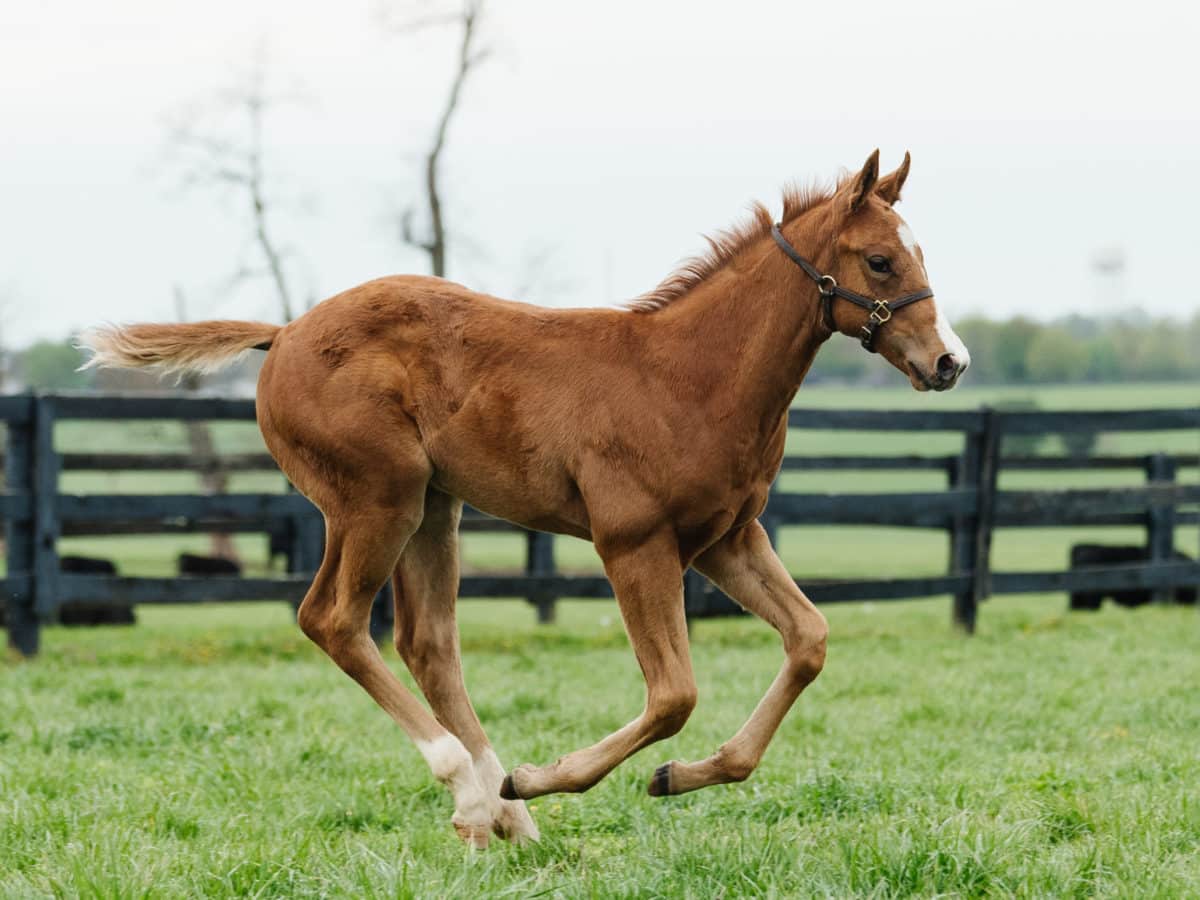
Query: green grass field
x=212 y=751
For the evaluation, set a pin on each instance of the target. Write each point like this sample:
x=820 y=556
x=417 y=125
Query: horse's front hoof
x=515 y=824
x=474 y=836
x=660 y=784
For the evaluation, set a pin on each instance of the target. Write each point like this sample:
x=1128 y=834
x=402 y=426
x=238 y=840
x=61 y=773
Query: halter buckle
x=881 y=313
x=867 y=338
x=826 y=284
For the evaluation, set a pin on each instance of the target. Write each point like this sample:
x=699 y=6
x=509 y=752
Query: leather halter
x=881 y=310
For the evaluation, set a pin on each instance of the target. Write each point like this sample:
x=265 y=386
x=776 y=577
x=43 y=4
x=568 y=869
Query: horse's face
x=879 y=257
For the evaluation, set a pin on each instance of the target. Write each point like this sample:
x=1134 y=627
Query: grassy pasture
x=212 y=751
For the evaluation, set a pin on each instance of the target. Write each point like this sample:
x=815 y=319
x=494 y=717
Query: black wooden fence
x=36 y=513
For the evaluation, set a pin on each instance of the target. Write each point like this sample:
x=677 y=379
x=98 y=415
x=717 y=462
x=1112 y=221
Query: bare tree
x=432 y=239
x=209 y=157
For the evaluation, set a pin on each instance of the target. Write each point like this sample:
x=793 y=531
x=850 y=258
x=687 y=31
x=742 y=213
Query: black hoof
x=507 y=791
x=660 y=784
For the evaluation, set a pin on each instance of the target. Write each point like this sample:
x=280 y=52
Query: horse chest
x=735 y=494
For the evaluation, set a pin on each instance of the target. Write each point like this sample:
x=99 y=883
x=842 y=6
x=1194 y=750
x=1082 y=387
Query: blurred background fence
x=41 y=582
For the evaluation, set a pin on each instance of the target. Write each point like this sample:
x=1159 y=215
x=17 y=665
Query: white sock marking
x=448 y=759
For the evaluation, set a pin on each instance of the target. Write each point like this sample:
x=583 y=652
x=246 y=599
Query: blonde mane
x=725 y=245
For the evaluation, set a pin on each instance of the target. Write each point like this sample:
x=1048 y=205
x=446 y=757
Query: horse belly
x=541 y=499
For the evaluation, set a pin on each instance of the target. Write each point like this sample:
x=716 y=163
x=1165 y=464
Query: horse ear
x=864 y=182
x=889 y=186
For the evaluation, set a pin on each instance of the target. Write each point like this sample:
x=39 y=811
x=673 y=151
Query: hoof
x=660 y=784
x=474 y=836
x=507 y=790
x=515 y=824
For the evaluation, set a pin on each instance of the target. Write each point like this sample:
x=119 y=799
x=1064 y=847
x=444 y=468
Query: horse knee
x=670 y=710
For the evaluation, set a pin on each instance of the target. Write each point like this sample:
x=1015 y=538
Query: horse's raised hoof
x=660 y=784
x=507 y=790
x=523 y=783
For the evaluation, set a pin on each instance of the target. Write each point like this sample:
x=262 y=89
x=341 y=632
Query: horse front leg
x=648 y=581
x=744 y=565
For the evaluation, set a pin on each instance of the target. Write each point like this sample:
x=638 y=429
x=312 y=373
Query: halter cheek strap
x=880 y=310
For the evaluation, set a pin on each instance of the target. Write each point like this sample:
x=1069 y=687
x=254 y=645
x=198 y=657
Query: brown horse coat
x=654 y=431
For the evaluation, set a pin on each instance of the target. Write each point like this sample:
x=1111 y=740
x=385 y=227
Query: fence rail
x=36 y=513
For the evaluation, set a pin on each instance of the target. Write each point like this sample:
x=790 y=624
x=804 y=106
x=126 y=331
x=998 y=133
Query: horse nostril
x=947 y=366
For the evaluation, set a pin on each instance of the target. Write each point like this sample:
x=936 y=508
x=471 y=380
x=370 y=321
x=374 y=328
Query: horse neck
x=752 y=330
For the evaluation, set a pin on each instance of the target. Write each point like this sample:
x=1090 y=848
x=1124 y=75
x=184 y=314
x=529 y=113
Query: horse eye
x=879 y=264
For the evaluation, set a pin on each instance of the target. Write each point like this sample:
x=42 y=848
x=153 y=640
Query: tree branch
x=216 y=159
x=469 y=57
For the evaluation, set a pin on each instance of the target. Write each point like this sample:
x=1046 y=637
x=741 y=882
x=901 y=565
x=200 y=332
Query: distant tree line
x=1076 y=349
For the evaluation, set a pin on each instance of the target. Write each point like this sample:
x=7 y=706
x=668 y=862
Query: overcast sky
x=600 y=139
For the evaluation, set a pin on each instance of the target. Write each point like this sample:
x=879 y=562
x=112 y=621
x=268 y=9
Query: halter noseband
x=881 y=310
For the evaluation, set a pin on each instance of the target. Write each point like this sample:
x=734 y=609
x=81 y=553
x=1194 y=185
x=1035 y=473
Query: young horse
x=654 y=431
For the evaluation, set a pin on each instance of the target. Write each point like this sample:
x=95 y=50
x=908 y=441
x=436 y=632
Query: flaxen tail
x=191 y=347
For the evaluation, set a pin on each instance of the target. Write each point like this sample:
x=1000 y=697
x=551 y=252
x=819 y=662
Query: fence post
x=962 y=472
x=46 y=527
x=695 y=601
x=383 y=613
x=24 y=630
x=989 y=472
x=305 y=540
x=971 y=536
x=539 y=560
x=770 y=523
x=1160 y=522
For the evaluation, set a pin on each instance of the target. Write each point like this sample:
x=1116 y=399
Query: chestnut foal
x=654 y=431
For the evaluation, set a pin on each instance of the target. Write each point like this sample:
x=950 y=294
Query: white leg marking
x=452 y=766
x=489 y=768
x=447 y=757
x=512 y=815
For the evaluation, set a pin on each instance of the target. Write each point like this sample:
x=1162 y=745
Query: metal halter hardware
x=880 y=310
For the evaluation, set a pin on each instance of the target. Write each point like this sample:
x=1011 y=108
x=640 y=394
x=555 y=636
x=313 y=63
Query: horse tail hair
x=192 y=347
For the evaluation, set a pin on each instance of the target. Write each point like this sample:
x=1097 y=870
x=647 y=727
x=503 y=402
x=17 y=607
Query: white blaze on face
x=951 y=341
x=910 y=242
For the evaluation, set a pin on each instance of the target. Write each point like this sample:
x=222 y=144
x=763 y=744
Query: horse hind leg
x=426 y=589
x=361 y=549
